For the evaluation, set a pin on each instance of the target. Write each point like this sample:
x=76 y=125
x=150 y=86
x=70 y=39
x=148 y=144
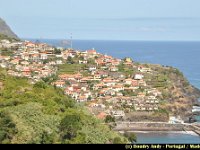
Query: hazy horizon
x=135 y=20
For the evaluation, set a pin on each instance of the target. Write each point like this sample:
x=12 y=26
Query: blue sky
x=104 y=19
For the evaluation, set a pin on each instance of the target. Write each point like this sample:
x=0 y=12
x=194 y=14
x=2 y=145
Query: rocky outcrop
x=5 y=30
x=180 y=95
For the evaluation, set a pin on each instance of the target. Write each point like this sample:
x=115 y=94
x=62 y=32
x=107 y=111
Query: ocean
x=182 y=55
x=167 y=138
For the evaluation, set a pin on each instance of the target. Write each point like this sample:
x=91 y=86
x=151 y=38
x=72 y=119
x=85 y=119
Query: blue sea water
x=182 y=55
x=167 y=138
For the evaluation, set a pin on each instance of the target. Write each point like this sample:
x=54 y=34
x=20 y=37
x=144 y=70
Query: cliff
x=179 y=95
x=5 y=30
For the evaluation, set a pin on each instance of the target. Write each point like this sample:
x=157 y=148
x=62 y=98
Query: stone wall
x=161 y=126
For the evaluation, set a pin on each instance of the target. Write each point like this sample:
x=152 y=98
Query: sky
x=104 y=19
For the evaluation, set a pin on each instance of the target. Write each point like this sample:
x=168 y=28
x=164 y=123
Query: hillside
x=179 y=96
x=5 y=30
x=41 y=113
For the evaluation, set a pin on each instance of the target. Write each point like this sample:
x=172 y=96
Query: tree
x=68 y=102
x=81 y=58
x=47 y=138
x=117 y=140
x=109 y=118
x=70 y=125
x=70 y=60
x=89 y=98
x=7 y=128
x=91 y=61
x=40 y=85
x=131 y=136
x=57 y=51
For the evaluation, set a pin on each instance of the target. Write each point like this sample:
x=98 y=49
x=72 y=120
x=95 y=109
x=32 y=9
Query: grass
x=69 y=68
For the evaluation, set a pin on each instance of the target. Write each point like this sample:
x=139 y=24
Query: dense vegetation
x=41 y=113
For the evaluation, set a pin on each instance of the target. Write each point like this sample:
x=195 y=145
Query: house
x=75 y=95
x=11 y=72
x=138 y=77
x=91 y=52
x=93 y=105
x=14 y=61
x=43 y=56
x=5 y=58
x=82 y=98
x=103 y=74
x=174 y=120
x=98 y=86
x=59 y=56
x=141 y=95
x=83 y=88
x=128 y=60
x=26 y=71
x=92 y=68
x=134 y=83
x=87 y=94
x=116 y=75
x=113 y=68
x=128 y=81
x=116 y=62
x=110 y=92
x=97 y=76
x=30 y=45
x=118 y=87
x=151 y=97
x=25 y=63
x=35 y=57
x=59 y=62
x=118 y=113
x=109 y=82
x=142 y=83
x=100 y=62
x=119 y=94
x=25 y=56
x=46 y=72
x=59 y=84
x=82 y=61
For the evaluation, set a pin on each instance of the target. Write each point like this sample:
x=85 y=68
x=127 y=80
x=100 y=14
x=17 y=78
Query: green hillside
x=41 y=113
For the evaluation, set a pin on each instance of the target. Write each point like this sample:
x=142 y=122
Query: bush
x=131 y=136
x=69 y=126
x=7 y=128
x=40 y=85
x=109 y=118
x=117 y=140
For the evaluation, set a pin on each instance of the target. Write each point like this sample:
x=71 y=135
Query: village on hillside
x=106 y=85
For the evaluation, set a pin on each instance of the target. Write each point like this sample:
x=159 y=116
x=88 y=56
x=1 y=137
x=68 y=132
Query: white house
x=138 y=77
x=82 y=61
x=43 y=56
x=92 y=68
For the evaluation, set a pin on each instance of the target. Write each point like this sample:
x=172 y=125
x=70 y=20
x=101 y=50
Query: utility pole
x=71 y=40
